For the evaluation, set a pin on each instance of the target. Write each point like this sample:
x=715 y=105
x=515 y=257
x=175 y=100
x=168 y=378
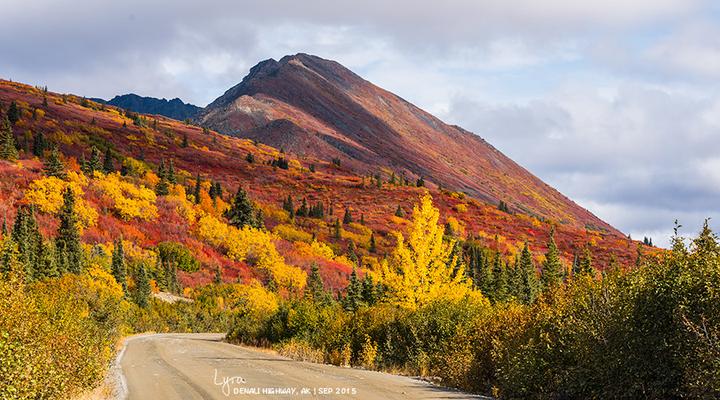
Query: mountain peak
x=318 y=108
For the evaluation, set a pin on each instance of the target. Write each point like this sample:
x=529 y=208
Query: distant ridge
x=174 y=108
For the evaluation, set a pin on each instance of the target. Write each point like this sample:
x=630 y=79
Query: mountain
x=174 y=108
x=314 y=107
x=141 y=144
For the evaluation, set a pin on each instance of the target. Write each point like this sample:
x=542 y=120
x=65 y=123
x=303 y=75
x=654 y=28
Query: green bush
x=179 y=255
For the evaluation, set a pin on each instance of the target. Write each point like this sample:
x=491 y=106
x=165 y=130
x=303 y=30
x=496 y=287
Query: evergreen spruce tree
x=373 y=245
x=242 y=212
x=420 y=182
x=552 y=268
x=162 y=188
x=302 y=211
x=250 y=158
x=171 y=277
x=369 y=291
x=315 y=289
x=108 y=165
x=13 y=113
x=347 y=218
x=336 y=229
x=499 y=289
x=39 y=144
x=353 y=292
x=196 y=192
x=170 y=175
x=185 y=141
x=118 y=267
x=289 y=206
x=352 y=252
x=53 y=166
x=142 y=288
x=8 y=150
x=94 y=163
x=585 y=266
x=362 y=219
x=47 y=262
x=530 y=286
x=399 y=212
x=67 y=242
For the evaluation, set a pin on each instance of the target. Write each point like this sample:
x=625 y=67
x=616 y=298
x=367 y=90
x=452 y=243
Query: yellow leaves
x=47 y=195
x=292 y=234
x=457 y=228
x=129 y=201
x=315 y=249
x=252 y=245
x=422 y=268
x=461 y=207
x=254 y=299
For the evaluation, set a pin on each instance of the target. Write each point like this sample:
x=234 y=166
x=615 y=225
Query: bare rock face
x=317 y=108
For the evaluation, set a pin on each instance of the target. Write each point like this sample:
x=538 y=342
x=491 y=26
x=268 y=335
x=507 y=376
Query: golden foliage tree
x=422 y=268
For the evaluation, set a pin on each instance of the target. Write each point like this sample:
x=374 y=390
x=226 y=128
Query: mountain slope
x=174 y=108
x=318 y=108
x=142 y=144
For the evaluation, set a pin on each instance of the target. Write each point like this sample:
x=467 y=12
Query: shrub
x=179 y=255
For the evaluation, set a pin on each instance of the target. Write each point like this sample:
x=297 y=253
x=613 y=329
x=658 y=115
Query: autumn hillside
x=318 y=108
x=357 y=217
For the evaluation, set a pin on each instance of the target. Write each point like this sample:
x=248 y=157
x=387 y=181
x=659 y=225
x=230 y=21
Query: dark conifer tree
x=586 y=267
x=250 y=158
x=289 y=206
x=67 y=242
x=13 y=113
x=108 y=165
x=552 y=268
x=420 y=182
x=347 y=218
x=353 y=292
x=8 y=149
x=315 y=289
x=352 y=252
x=242 y=212
x=94 y=163
x=499 y=289
x=369 y=291
x=530 y=286
x=142 y=288
x=373 y=246
x=118 y=267
x=185 y=141
x=302 y=211
x=336 y=229
x=39 y=144
x=399 y=212
x=198 y=186
x=171 y=178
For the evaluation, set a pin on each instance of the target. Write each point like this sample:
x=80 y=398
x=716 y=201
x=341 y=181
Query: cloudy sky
x=615 y=103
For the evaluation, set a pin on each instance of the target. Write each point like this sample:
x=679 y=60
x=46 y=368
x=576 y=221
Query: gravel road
x=202 y=366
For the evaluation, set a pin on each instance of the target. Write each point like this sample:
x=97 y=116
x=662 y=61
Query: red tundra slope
x=75 y=125
x=317 y=108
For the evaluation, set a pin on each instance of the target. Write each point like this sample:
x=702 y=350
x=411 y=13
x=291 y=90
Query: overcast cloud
x=615 y=103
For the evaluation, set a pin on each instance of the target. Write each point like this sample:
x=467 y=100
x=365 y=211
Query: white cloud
x=611 y=101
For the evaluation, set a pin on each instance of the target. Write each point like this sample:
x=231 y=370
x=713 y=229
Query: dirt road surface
x=201 y=366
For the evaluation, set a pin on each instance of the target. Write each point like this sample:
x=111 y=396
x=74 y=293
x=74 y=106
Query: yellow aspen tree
x=422 y=268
